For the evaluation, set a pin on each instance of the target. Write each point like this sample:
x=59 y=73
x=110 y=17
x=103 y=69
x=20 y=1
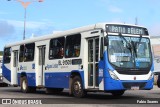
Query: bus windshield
x=129 y=52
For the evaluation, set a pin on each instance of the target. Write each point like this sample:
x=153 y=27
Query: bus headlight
x=113 y=75
x=151 y=76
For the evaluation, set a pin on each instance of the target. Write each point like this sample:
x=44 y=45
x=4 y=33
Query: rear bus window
x=7 y=55
x=27 y=52
x=21 y=53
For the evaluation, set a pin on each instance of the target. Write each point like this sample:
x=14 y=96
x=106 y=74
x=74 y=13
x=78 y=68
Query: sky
x=51 y=16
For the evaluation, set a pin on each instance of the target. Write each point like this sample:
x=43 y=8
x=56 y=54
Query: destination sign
x=124 y=29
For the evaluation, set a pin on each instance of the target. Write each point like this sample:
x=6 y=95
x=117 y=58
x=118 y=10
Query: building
x=155 y=41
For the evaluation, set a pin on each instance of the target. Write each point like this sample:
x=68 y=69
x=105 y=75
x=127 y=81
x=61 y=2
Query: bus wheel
x=24 y=86
x=118 y=93
x=77 y=88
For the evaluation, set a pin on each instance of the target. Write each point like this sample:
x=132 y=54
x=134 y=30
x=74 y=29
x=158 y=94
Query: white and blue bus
x=103 y=57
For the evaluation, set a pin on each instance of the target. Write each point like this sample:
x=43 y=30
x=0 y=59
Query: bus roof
x=67 y=32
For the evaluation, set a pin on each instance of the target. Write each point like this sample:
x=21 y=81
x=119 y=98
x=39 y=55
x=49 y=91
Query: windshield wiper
x=136 y=45
x=139 y=40
x=128 y=43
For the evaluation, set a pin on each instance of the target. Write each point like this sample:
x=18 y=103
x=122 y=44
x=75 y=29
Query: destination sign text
x=124 y=29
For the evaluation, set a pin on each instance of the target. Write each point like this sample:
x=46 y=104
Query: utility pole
x=25 y=5
x=136 y=21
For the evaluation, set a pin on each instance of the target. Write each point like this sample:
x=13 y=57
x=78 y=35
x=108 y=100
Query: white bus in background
x=155 y=42
x=102 y=57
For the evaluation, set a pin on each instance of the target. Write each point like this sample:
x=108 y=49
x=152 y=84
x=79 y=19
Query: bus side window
x=7 y=55
x=56 y=50
x=73 y=43
x=101 y=48
x=29 y=52
x=21 y=53
x=67 y=49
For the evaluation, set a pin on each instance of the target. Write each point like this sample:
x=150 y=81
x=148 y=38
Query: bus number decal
x=67 y=62
x=23 y=67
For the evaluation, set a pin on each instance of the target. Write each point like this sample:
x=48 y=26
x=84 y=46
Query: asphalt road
x=130 y=98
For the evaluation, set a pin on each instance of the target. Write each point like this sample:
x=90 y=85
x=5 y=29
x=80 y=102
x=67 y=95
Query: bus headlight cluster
x=151 y=76
x=113 y=75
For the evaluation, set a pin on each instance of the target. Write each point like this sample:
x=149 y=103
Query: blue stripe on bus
x=107 y=77
x=52 y=80
x=30 y=78
x=6 y=73
x=57 y=79
x=19 y=77
x=149 y=84
x=60 y=79
x=111 y=84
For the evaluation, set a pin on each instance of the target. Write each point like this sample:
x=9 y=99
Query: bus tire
x=77 y=87
x=24 y=86
x=118 y=93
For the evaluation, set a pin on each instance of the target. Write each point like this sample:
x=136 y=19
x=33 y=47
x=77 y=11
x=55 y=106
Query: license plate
x=134 y=87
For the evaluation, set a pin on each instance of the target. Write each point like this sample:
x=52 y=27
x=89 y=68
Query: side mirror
x=106 y=41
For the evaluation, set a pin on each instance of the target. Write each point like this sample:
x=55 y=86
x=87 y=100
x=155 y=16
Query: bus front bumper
x=111 y=84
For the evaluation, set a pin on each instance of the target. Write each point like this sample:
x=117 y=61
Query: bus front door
x=14 y=67
x=41 y=65
x=93 y=57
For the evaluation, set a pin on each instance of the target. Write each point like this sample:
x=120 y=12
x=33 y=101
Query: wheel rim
x=24 y=86
x=77 y=87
